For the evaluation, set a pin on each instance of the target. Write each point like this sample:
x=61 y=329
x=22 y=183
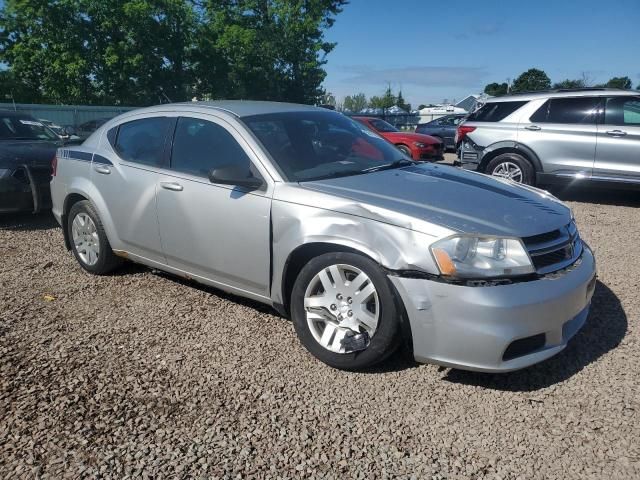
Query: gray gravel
x=144 y=375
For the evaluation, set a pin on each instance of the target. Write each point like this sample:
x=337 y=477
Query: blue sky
x=448 y=49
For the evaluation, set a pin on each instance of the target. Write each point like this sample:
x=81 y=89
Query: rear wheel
x=344 y=311
x=89 y=242
x=512 y=166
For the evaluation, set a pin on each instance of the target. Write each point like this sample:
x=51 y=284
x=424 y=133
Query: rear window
x=577 y=110
x=622 y=111
x=495 y=111
x=142 y=141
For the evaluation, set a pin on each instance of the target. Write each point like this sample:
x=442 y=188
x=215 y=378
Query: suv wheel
x=512 y=166
x=89 y=241
x=344 y=311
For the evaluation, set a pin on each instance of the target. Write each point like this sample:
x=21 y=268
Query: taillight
x=462 y=132
x=54 y=165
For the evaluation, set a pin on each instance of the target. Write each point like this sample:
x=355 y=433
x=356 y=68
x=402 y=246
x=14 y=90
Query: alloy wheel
x=85 y=238
x=342 y=308
x=508 y=170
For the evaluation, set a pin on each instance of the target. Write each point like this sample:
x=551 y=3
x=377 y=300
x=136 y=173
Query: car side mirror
x=238 y=175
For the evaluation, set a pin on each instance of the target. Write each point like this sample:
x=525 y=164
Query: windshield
x=24 y=128
x=382 y=126
x=315 y=145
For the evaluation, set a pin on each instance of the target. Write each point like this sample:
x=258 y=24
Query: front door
x=618 y=150
x=218 y=232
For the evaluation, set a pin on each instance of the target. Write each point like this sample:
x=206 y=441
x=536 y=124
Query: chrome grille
x=554 y=250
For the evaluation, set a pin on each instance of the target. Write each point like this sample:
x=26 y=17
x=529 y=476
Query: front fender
x=393 y=247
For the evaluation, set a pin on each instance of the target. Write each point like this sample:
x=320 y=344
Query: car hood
x=410 y=137
x=446 y=196
x=14 y=153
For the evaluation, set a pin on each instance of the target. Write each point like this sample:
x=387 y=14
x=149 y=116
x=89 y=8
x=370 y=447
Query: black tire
x=406 y=150
x=528 y=172
x=107 y=260
x=387 y=336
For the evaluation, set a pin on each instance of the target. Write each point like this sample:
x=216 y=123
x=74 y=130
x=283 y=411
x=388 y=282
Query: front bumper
x=431 y=153
x=474 y=328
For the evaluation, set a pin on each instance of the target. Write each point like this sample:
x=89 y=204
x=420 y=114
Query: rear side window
x=577 y=110
x=200 y=146
x=142 y=141
x=622 y=111
x=494 y=111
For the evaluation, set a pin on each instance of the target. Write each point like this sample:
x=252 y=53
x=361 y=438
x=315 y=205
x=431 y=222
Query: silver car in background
x=306 y=210
x=580 y=135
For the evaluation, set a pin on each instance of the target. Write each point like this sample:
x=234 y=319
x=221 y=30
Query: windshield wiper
x=344 y=173
x=401 y=162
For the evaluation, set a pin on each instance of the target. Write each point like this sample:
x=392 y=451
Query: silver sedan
x=310 y=212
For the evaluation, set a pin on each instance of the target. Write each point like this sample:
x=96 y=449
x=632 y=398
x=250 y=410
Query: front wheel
x=512 y=166
x=404 y=149
x=344 y=311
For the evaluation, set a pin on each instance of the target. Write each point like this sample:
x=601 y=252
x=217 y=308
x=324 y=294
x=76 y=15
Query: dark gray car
x=443 y=128
x=27 y=149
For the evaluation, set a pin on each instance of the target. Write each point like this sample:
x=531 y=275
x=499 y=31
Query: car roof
x=238 y=108
x=578 y=92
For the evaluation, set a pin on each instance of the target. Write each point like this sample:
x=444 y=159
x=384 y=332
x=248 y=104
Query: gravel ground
x=143 y=375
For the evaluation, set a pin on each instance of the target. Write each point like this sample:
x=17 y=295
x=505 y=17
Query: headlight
x=4 y=172
x=463 y=256
x=420 y=144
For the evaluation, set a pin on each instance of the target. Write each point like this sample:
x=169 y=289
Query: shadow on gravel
x=600 y=195
x=604 y=330
x=28 y=221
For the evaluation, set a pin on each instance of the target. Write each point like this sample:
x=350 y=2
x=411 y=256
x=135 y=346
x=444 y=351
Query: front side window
x=24 y=128
x=312 y=145
x=576 y=110
x=199 y=146
x=142 y=141
x=382 y=126
x=622 y=111
x=495 y=111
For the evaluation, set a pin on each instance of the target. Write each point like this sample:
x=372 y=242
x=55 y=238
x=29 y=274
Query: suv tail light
x=54 y=165
x=462 y=132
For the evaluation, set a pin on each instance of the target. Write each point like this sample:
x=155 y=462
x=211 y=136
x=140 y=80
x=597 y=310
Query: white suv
x=546 y=137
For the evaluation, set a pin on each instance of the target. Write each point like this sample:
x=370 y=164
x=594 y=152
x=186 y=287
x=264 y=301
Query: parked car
x=443 y=129
x=87 y=128
x=27 y=148
x=414 y=145
x=308 y=211
x=556 y=136
x=62 y=132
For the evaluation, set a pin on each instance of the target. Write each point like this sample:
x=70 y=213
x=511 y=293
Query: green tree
x=531 y=80
x=496 y=89
x=355 y=103
x=142 y=52
x=387 y=100
x=578 y=83
x=619 y=82
x=402 y=104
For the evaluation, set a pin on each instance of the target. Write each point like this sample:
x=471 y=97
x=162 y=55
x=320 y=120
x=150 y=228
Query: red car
x=416 y=145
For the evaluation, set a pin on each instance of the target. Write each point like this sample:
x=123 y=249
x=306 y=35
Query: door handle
x=102 y=169
x=173 y=186
x=534 y=128
x=616 y=133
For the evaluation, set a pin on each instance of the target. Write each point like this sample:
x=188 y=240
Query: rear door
x=217 y=232
x=563 y=132
x=126 y=174
x=618 y=150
